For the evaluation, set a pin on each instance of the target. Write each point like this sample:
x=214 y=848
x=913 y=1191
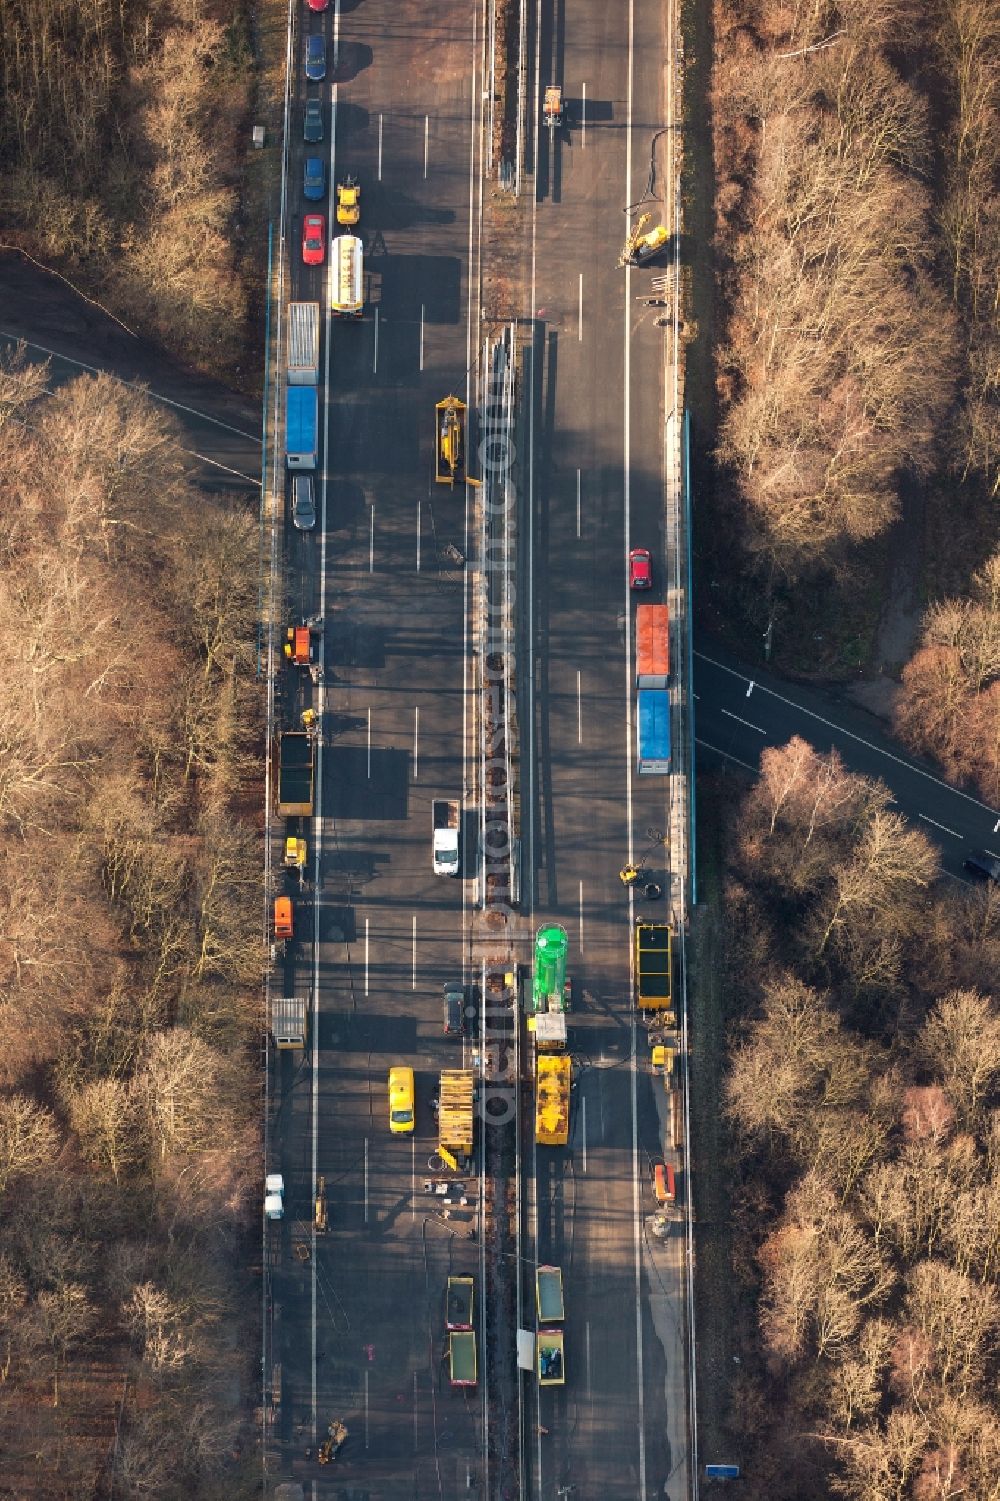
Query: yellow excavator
x=449 y=442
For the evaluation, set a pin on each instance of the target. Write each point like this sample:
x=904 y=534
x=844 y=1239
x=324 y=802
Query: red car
x=640 y=569
x=314 y=239
x=317 y=4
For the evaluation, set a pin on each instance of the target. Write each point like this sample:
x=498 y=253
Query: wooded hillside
x=122 y=135
x=864 y=1102
x=131 y=952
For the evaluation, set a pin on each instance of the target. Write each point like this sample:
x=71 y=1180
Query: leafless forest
x=130 y=958
x=863 y=1098
x=857 y=152
x=122 y=136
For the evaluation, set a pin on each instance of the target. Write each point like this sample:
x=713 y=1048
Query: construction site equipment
x=283 y=919
x=289 y=1021
x=653 y=965
x=336 y=1434
x=549 y=988
x=319 y=1211
x=348 y=201
x=462 y=1365
x=300 y=645
x=664 y=1183
x=627 y=256
x=296 y=851
x=553 y=111
x=456 y=1116
x=553 y=1073
x=459 y=1303
x=550 y=1031
x=294 y=780
x=549 y=1295
x=628 y=875
x=549 y=1346
x=449 y=440
x=650 y=245
x=274 y=1196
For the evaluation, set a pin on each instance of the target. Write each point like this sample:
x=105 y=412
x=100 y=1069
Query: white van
x=347 y=272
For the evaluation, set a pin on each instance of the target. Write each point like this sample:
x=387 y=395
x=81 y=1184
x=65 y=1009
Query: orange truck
x=652 y=646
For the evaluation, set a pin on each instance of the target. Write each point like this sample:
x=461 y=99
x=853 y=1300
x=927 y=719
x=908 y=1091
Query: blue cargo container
x=301 y=427
x=653 y=730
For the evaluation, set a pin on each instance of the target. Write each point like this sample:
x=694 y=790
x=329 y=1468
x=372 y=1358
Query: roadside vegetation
x=858 y=248
x=863 y=1105
x=130 y=960
x=123 y=135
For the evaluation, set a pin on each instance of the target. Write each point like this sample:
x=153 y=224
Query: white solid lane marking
x=583 y=1131
x=750 y=687
x=369 y=743
x=730 y=715
x=579 y=708
x=416 y=743
x=413 y=945
x=419 y=513
x=366 y=955
x=579 y=484
x=380 y=148
x=421 y=336
x=413 y=1215
x=371 y=541
x=877 y=750
x=580 y=943
x=940 y=826
x=366 y=1409
x=580 y=312
x=583 y=118
x=375 y=355
x=427 y=140
x=415 y=1405
x=366 y=1180
x=587 y=1350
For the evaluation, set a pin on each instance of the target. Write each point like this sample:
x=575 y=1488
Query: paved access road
x=740 y=711
x=221 y=429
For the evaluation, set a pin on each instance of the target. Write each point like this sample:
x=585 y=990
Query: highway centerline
x=371 y=541
x=579 y=709
x=366 y=955
x=413 y=947
x=427 y=140
x=422 y=310
x=369 y=742
x=416 y=743
x=418 y=534
x=375 y=353
x=581 y=917
x=380 y=148
x=579 y=316
x=579 y=483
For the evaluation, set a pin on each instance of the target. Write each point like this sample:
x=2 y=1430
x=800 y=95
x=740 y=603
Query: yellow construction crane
x=634 y=236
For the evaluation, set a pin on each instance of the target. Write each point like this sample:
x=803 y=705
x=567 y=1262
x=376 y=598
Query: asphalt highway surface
x=740 y=711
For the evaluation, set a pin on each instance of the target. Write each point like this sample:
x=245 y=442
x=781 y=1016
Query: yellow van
x=401 y=1113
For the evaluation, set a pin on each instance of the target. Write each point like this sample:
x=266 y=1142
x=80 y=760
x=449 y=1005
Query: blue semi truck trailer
x=653 y=730
x=301 y=427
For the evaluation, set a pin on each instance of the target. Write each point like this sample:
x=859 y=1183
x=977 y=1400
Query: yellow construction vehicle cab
x=348 y=201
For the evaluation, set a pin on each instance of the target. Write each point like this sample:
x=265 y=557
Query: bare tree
x=29 y=1138
x=960 y=1042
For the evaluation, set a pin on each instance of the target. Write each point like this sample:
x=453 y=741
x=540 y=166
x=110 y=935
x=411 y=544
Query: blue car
x=315 y=58
x=314 y=179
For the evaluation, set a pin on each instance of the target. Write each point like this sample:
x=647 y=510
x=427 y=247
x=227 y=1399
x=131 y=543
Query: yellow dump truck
x=449 y=440
x=455 y=1116
x=552 y=1081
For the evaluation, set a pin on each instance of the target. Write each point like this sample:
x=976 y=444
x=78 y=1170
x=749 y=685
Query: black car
x=312 y=122
x=981 y=863
x=454 y=1007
